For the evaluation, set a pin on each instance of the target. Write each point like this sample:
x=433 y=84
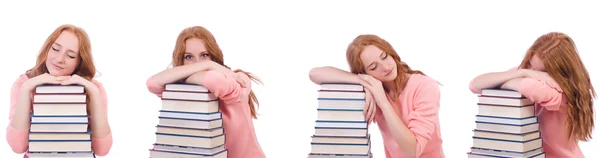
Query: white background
x=280 y=42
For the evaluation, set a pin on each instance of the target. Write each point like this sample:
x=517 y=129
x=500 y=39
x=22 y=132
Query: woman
x=553 y=76
x=197 y=59
x=65 y=58
x=407 y=101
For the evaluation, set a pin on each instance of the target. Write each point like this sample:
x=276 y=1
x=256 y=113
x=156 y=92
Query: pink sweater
x=418 y=110
x=19 y=139
x=551 y=108
x=240 y=136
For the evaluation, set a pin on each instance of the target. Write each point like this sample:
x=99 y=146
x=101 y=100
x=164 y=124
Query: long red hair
x=215 y=53
x=562 y=62
x=86 y=67
x=357 y=67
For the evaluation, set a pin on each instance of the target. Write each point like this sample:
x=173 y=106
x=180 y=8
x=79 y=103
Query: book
x=506 y=126
x=190 y=124
x=59 y=123
x=340 y=127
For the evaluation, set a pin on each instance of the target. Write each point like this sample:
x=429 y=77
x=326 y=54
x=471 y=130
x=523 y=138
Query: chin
x=391 y=77
x=54 y=73
x=388 y=78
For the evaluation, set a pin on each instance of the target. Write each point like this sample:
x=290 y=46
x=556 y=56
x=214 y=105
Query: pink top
x=19 y=139
x=551 y=108
x=418 y=110
x=240 y=136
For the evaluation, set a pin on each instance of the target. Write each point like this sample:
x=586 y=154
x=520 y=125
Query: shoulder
x=22 y=78
x=18 y=83
x=423 y=83
x=96 y=82
x=99 y=85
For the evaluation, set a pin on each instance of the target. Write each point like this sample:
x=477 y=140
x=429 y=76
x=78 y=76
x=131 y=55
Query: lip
x=57 y=67
x=389 y=72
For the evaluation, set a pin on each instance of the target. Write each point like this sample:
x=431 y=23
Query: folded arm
x=220 y=84
x=17 y=132
x=101 y=131
x=414 y=136
x=328 y=74
x=493 y=80
x=157 y=82
x=537 y=91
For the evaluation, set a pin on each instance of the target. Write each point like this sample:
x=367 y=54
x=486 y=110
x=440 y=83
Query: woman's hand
x=218 y=67
x=375 y=87
x=76 y=79
x=369 y=110
x=45 y=78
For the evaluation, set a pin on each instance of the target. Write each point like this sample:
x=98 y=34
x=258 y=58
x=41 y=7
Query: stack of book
x=341 y=129
x=190 y=124
x=506 y=126
x=59 y=123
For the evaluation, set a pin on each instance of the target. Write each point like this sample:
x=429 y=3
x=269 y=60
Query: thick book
x=61 y=155
x=184 y=87
x=59 y=89
x=60 y=145
x=155 y=153
x=194 y=141
x=342 y=87
x=501 y=93
x=505 y=145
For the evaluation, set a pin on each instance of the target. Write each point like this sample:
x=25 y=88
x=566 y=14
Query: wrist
x=27 y=86
x=205 y=66
x=521 y=73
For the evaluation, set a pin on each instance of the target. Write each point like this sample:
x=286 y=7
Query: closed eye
x=72 y=56
x=374 y=67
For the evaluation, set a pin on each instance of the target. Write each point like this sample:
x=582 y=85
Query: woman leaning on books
x=553 y=76
x=404 y=102
x=65 y=59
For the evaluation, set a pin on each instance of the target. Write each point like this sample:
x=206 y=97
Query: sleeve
x=17 y=139
x=422 y=121
x=153 y=87
x=542 y=93
x=102 y=146
x=224 y=86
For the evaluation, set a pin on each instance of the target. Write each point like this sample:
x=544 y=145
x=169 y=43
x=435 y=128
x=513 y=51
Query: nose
x=385 y=68
x=195 y=60
x=61 y=59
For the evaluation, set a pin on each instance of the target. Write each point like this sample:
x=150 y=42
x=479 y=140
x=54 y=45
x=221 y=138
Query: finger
x=363 y=81
x=367 y=99
x=369 y=112
x=61 y=78
x=67 y=82
x=373 y=111
x=368 y=79
x=365 y=110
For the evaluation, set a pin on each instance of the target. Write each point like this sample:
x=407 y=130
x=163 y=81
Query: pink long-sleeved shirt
x=239 y=131
x=552 y=110
x=19 y=139
x=418 y=110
